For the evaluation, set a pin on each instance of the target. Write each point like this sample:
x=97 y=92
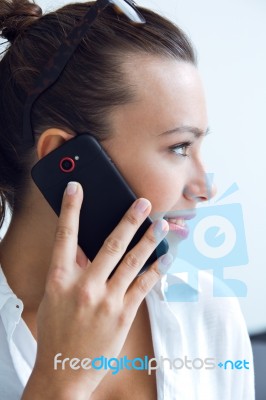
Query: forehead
x=168 y=92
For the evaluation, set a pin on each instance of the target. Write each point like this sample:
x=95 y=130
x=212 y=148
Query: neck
x=26 y=249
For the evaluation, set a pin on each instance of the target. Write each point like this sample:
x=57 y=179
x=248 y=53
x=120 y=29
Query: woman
x=131 y=81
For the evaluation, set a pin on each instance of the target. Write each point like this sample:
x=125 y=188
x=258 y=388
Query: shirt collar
x=11 y=306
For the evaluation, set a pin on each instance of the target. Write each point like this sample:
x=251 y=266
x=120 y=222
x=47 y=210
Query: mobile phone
x=107 y=196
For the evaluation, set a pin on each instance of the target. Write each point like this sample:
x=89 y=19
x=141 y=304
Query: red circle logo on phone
x=67 y=164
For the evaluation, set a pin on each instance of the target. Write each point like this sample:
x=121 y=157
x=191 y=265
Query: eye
x=181 y=149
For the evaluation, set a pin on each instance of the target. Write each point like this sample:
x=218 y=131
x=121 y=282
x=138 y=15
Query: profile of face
x=156 y=140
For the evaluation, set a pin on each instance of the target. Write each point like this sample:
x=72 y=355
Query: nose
x=200 y=186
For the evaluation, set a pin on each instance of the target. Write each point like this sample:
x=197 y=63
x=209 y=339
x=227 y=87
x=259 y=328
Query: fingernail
x=142 y=205
x=160 y=227
x=72 y=188
x=165 y=263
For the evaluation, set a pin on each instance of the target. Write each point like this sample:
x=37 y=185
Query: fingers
x=145 y=282
x=134 y=260
x=115 y=245
x=66 y=237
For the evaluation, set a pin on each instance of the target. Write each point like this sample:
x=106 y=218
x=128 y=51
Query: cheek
x=150 y=175
x=162 y=186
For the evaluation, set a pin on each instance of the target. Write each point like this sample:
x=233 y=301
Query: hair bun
x=16 y=16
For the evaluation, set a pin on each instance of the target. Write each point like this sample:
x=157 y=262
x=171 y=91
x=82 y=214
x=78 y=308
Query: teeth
x=177 y=221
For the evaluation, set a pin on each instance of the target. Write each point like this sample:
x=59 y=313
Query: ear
x=50 y=140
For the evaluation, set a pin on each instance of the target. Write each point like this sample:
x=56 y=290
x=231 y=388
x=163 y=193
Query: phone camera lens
x=67 y=164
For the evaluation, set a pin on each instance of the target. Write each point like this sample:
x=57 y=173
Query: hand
x=84 y=314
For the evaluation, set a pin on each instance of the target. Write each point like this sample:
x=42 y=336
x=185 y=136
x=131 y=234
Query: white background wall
x=230 y=37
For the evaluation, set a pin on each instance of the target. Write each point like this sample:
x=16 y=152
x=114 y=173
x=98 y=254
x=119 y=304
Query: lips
x=180 y=216
x=177 y=221
x=178 y=224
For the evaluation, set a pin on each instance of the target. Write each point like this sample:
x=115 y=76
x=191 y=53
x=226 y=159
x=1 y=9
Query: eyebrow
x=183 y=129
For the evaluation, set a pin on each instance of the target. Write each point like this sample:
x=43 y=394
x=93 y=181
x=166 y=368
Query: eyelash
x=185 y=145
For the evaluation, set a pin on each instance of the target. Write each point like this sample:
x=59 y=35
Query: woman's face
x=156 y=140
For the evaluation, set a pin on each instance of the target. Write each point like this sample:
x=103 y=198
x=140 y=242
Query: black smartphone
x=107 y=196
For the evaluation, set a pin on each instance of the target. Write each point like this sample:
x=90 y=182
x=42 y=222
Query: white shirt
x=192 y=327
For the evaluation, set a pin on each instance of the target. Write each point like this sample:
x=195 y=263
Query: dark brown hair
x=92 y=84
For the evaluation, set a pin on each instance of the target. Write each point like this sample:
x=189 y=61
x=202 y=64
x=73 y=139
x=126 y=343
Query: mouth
x=178 y=225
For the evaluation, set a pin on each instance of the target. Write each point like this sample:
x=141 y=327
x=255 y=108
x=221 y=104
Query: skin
x=169 y=95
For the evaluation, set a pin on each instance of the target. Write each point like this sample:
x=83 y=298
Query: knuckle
x=155 y=274
x=113 y=245
x=63 y=232
x=108 y=307
x=85 y=295
x=70 y=204
x=132 y=261
x=123 y=319
x=144 y=285
x=150 y=238
x=132 y=219
x=55 y=283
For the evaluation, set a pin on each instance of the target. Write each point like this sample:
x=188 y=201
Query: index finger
x=66 y=236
